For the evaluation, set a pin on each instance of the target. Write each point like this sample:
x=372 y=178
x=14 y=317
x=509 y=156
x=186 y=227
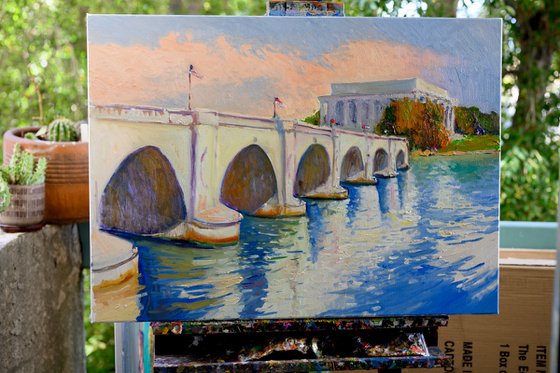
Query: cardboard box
x=516 y=340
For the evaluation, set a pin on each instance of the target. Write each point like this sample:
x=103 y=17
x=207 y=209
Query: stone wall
x=41 y=306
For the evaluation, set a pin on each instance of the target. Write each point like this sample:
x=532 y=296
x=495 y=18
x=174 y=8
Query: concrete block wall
x=41 y=301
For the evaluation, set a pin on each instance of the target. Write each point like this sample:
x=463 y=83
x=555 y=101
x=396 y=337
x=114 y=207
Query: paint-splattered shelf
x=298 y=345
x=170 y=364
x=255 y=326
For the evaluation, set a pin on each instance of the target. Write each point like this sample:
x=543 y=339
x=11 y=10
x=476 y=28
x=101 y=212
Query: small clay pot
x=67 y=177
x=26 y=211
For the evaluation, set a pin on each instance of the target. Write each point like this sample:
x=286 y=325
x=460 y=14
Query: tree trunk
x=441 y=8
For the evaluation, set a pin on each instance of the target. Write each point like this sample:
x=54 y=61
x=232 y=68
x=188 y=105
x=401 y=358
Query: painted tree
x=421 y=123
x=470 y=119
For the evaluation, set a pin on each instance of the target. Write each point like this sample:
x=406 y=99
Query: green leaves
x=529 y=189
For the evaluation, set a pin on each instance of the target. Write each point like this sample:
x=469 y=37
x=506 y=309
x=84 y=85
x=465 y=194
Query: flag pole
x=274 y=105
x=190 y=97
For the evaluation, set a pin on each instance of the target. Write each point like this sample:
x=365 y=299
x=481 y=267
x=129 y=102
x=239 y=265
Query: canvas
x=277 y=167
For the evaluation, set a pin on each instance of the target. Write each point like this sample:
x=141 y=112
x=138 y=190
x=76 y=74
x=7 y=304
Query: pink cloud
x=140 y=75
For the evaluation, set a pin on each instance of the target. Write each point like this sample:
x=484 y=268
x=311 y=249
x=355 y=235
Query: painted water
x=422 y=243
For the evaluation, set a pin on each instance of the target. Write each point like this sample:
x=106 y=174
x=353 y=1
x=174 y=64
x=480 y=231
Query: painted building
x=359 y=106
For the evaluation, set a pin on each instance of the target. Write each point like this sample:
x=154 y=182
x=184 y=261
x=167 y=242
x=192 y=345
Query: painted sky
x=247 y=61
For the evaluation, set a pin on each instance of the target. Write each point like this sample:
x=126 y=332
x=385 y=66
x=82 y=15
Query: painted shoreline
x=428 y=153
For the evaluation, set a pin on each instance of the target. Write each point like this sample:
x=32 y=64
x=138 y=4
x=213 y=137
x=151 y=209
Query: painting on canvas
x=270 y=168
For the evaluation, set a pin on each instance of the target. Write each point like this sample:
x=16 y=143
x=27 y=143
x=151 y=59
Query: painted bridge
x=191 y=175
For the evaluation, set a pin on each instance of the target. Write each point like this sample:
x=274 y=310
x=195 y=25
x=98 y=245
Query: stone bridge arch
x=381 y=162
x=249 y=181
x=143 y=196
x=400 y=160
x=352 y=165
x=313 y=171
x=402 y=156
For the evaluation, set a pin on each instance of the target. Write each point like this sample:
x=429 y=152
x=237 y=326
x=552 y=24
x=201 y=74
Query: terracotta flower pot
x=26 y=210
x=67 y=177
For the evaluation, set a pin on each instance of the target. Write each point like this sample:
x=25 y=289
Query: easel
x=198 y=346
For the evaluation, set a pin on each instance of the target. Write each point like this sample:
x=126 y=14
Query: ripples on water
x=422 y=243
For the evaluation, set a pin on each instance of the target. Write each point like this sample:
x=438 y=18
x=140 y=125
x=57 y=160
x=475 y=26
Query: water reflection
x=183 y=281
x=422 y=243
x=268 y=247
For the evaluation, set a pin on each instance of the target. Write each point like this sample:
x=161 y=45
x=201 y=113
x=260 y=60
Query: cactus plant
x=62 y=129
x=5 y=195
x=22 y=169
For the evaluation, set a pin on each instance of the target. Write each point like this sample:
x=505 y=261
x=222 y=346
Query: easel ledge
x=172 y=351
x=296 y=325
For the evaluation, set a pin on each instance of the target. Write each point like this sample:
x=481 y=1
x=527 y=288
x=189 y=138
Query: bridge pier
x=328 y=192
x=361 y=179
x=281 y=210
x=214 y=227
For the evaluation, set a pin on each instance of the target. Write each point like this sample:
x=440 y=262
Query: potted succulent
x=22 y=192
x=66 y=183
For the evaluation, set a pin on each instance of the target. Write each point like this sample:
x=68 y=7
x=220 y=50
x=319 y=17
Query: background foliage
x=43 y=50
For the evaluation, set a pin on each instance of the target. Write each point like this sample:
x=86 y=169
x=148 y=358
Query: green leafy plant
x=23 y=169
